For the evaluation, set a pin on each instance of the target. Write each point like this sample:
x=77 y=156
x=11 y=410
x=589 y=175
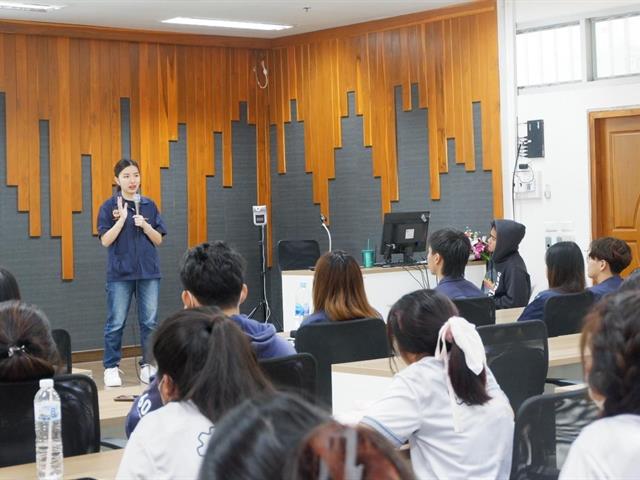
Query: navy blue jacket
x=264 y=341
x=316 y=317
x=458 y=288
x=611 y=284
x=132 y=255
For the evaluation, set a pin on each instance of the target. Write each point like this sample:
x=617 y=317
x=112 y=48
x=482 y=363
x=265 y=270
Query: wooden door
x=615 y=177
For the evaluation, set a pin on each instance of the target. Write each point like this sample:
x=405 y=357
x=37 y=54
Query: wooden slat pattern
x=75 y=79
x=452 y=58
x=76 y=84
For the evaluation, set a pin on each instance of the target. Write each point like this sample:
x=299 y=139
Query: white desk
x=384 y=286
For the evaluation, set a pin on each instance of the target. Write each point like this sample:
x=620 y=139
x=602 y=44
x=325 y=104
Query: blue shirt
x=535 y=310
x=316 y=317
x=611 y=284
x=132 y=255
x=458 y=288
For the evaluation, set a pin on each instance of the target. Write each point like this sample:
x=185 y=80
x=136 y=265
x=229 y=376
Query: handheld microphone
x=136 y=202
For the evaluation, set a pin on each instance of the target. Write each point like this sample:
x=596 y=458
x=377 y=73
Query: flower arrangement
x=478 y=245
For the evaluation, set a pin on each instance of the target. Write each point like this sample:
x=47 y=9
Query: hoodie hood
x=509 y=235
x=263 y=338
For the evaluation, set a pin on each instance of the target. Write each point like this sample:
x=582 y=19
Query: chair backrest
x=63 y=344
x=80 y=418
x=293 y=373
x=518 y=357
x=564 y=314
x=340 y=342
x=297 y=254
x=545 y=427
x=478 y=310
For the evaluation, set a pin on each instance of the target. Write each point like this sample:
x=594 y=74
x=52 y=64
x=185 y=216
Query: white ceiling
x=147 y=14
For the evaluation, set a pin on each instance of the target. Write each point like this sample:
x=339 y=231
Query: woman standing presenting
x=131 y=227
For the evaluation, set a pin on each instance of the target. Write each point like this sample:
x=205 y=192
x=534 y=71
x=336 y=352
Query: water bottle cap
x=46 y=383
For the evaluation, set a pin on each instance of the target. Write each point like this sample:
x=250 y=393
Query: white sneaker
x=146 y=372
x=112 y=377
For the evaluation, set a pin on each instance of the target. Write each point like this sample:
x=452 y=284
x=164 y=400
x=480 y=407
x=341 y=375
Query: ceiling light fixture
x=207 y=22
x=29 y=7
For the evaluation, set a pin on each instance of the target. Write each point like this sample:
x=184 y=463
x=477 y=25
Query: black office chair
x=63 y=343
x=545 y=427
x=478 y=310
x=341 y=342
x=293 y=373
x=80 y=418
x=518 y=356
x=564 y=314
x=297 y=254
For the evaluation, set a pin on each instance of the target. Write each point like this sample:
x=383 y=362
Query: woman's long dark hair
x=27 y=350
x=413 y=326
x=338 y=288
x=8 y=286
x=121 y=165
x=209 y=360
x=255 y=439
x=565 y=267
x=611 y=336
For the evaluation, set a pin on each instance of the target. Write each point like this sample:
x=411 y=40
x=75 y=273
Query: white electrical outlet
x=530 y=188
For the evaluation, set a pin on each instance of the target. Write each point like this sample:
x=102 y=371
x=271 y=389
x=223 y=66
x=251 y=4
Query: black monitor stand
x=407 y=255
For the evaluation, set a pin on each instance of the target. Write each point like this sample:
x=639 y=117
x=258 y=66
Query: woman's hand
x=140 y=222
x=122 y=210
x=489 y=284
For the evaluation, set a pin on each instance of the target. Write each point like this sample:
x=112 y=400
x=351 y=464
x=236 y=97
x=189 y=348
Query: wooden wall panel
x=450 y=55
x=77 y=84
x=75 y=78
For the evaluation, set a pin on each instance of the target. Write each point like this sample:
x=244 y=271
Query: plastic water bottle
x=302 y=303
x=48 y=416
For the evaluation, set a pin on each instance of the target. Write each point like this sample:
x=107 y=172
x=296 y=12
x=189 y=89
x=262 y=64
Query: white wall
x=565 y=168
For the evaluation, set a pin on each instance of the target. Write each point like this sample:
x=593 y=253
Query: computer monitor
x=405 y=233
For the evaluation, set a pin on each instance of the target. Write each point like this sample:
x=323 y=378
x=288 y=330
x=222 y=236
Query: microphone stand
x=323 y=219
x=263 y=304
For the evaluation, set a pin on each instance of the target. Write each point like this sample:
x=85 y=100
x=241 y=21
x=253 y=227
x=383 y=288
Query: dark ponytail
x=209 y=359
x=121 y=165
x=27 y=350
x=413 y=326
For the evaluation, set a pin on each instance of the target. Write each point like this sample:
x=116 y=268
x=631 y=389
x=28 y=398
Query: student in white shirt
x=446 y=403
x=206 y=367
x=609 y=448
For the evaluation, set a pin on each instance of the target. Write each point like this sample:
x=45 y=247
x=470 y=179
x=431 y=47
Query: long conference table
x=356 y=385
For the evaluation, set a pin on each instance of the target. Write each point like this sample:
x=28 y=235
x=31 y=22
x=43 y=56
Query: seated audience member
x=447 y=258
x=507 y=279
x=338 y=290
x=607 y=257
x=213 y=275
x=206 y=367
x=446 y=402
x=27 y=350
x=610 y=345
x=254 y=440
x=8 y=286
x=632 y=282
x=336 y=451
x=565 y=274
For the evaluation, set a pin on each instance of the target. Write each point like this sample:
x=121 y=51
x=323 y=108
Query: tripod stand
x=263 y=303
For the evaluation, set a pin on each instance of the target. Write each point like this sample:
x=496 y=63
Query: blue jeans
x=119 y=295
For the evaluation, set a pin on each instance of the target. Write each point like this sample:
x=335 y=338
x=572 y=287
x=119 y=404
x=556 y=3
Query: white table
x=384 y=286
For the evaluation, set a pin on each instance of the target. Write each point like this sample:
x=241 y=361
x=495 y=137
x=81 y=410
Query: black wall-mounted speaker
x=535 y=135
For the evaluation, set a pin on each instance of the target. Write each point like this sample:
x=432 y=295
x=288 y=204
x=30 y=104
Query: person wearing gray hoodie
x=507 y=279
